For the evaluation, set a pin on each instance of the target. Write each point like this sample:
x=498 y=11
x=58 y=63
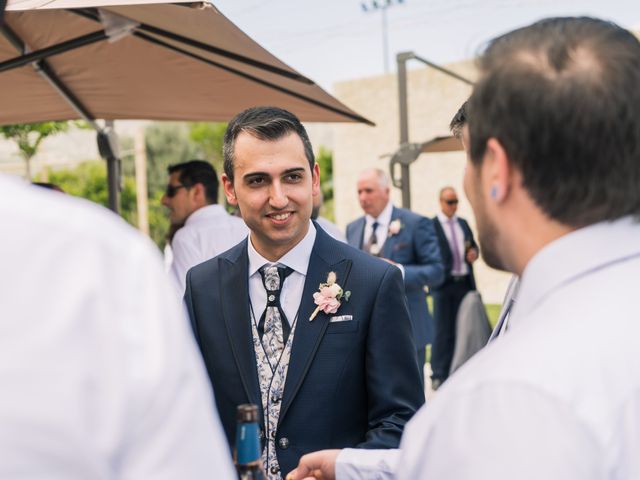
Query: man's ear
x=315 y=180
x=496 y=171
x=229 y=191
x=198 y=194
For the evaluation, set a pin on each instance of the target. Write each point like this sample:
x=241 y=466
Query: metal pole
x=141 y=181
x=403 y=110
x=113 y=166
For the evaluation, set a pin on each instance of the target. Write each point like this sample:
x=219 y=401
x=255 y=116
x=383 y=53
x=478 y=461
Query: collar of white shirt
x=384 y=219
x=444 y=220
x=205 y=213
x=297 y=258
x=572 y=256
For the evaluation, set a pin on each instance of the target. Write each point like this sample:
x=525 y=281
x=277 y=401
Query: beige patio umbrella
x=112 y=59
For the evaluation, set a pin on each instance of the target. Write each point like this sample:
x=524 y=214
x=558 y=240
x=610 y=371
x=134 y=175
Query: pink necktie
x=454 y=247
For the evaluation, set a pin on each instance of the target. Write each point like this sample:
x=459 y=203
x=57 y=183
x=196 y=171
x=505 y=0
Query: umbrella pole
x=107 y=146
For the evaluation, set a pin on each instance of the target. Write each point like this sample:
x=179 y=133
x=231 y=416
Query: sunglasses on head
x=173 y=189
x=451 y=202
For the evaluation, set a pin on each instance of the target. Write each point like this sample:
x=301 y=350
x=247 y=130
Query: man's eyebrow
x=255 y=174
x=294 y=170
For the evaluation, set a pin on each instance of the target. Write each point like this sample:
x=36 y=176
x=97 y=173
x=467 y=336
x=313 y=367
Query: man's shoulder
x=372 y=267
x=209 y=268
x=355 y=222
x=411 y=220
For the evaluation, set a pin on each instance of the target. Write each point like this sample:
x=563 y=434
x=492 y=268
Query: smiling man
x=344 y=377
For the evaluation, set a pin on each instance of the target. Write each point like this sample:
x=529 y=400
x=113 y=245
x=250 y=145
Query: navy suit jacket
x=445 y=248
x=350 y=384
x=416 y=248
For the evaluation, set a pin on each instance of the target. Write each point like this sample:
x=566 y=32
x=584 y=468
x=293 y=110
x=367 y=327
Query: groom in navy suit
x=342 y=376
x=404 y=239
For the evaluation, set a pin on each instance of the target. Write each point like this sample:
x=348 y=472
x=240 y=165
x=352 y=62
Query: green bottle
x=247 y=455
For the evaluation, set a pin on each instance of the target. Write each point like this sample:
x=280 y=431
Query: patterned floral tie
x=273 y=327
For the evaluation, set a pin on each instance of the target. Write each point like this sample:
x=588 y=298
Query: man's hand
x=472 y=255
x=317 y=465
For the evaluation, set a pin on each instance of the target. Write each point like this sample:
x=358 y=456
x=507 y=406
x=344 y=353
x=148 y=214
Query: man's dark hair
x=562 y=96
x=264 y=123
x=458 y=121
x=198 y=171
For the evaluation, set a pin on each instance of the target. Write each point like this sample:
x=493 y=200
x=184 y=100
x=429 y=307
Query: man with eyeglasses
x=459 y=250
x=203 y=228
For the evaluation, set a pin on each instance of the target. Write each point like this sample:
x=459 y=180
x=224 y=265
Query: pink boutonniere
x=329 y=297
x=395 y=227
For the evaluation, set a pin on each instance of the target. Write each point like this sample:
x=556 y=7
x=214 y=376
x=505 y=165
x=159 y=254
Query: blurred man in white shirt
x=99 y=372
x=207 y=229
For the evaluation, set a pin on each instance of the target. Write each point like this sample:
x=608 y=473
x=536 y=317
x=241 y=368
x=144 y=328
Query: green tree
x=208 y=138
x=324 y=158
x=166 y=144
x=28 y=137
x=89 y=180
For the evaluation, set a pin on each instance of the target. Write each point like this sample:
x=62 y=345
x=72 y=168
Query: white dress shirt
x=558 y=396
x=99 y=371
x=383 y=220
x=291 y=293
x=208 y=232
x=446 y=227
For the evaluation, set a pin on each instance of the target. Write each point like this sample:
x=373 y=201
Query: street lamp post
x=382 y=6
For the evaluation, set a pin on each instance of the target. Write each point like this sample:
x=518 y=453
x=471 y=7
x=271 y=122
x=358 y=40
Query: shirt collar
x=384 y=219
x=297 y=258
x=444 y=219
x=574 y=255
x=205 y=212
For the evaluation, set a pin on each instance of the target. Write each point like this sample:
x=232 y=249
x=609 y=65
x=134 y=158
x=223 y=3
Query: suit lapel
x=237 y=320
x=357 y=234
x=387 y=248
x=308 y=334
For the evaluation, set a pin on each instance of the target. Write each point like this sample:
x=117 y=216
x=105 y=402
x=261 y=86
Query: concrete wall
x=433 y=100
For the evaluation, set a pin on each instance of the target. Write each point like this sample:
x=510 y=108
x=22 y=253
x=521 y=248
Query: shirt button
x=283 y=443
x=272 y=298
x=274 y=469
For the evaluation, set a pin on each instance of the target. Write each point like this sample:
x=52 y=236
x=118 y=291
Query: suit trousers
x=446 y=302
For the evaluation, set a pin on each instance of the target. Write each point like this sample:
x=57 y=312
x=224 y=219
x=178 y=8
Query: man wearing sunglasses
x=459 y=251
x=204 y=228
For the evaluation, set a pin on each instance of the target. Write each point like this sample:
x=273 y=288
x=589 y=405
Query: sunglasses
x=173 y=189
x=451 y=202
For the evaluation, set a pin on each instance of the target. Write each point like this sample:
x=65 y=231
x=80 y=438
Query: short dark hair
x=198 y=171
x=562 y=96
x=264 y=123
x=458 y=121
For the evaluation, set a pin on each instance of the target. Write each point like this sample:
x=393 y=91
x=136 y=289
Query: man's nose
x=277 y=196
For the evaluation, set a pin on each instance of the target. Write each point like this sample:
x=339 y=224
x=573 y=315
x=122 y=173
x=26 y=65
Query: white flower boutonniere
x=328 y=298
x=395 y=227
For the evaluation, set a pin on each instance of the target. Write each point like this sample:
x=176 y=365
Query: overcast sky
x=335 y=40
